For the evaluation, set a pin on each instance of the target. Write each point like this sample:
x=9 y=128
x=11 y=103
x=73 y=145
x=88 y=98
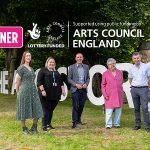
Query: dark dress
x=28 y=103
x=52 y=82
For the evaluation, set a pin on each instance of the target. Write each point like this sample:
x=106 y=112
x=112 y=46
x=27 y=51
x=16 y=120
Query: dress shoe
x=80 y=123
x=25 y=131
x=108 y=128
x=44 y=129
x=33 y=129
x=136 y=128
x=147 y=129
x=50 y=127
x=74 y=125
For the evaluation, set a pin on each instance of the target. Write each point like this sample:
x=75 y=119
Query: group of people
x=39 y=101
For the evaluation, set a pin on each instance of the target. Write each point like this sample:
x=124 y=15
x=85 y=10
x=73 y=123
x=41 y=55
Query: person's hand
x=84 y=86
x=63 y=93
x=16 y=91
x=43 y=93
x=107 y=98
x=78 y=86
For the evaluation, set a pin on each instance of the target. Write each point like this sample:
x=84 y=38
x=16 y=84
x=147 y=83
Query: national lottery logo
x=53 y=31
x=35 y=32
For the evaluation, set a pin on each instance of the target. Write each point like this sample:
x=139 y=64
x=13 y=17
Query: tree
x=24 y=13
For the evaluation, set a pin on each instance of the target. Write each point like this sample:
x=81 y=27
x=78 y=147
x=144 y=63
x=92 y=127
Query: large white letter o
x=95 y=100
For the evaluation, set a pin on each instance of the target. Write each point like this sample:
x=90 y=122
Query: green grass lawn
x=92 y=136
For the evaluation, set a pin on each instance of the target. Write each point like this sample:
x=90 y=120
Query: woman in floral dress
x=28 y=103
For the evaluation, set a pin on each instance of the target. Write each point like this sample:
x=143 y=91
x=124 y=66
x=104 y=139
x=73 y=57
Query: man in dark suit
x=78 y=77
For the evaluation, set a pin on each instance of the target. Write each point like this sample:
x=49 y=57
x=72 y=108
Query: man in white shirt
x=139 y=78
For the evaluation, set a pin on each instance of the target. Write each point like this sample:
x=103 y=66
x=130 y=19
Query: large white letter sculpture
x=93 y=70
x=63 y=70
x=3 y=82
x=95 y=100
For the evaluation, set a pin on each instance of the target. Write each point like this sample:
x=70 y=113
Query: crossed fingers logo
x=35 y=32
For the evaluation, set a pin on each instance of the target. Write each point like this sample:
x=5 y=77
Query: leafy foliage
x=24 y=12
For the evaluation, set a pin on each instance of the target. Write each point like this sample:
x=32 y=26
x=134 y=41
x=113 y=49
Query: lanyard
x=54 y=76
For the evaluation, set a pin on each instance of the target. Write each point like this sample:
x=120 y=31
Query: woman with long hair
x=28 y=103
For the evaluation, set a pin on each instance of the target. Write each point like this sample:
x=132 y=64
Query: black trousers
x=78 y=100
x=48 y=109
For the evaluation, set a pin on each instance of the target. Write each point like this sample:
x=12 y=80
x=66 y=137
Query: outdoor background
x=92 y=136
x=43 y=12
